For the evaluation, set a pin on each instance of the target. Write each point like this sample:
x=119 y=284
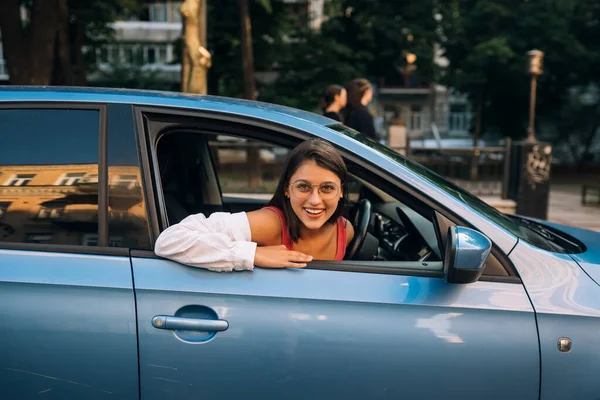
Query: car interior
x=388 y=228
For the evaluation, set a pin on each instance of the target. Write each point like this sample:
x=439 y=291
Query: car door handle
x=189 y=324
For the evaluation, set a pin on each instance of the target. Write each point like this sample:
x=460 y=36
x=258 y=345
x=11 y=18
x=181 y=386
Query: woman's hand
x=280 y=257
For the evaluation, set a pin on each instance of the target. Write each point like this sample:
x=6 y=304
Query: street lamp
x=535 y=67
x=409 y=67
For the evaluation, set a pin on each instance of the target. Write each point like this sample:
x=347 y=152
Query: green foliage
x=486 y=42
x=357 y=39
x=270 y=23
x=133 y=76
x=93 y=19
x=305 y=67
x=381 y=32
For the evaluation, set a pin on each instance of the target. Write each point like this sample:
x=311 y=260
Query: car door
x=68 y=312
x=349 y=329
x=331 y=334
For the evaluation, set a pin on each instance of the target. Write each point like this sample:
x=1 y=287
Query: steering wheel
x=360 y=215
x=409 y=226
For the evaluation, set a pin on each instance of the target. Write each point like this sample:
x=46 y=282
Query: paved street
x=565 y=208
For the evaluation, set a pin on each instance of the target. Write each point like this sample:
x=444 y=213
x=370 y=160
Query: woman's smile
x=310 y=183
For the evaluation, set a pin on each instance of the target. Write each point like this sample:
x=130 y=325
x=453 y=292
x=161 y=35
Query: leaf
x=266 y=4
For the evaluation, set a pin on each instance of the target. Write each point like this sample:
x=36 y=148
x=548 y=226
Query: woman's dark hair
x=330 y=93
x=325 y=156
x=356 y=90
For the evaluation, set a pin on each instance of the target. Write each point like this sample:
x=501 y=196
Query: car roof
x=159 y=98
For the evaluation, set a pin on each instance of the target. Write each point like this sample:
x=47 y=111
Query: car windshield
x=532 y=233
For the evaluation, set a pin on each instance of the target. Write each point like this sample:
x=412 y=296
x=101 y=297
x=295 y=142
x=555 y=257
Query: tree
x=380 y=32
x=29 y=45
x=580 y=117
x=196 y=58
x=307 y=67
x=247 y=54
x=487 y=60
x=46 y=47
x=357 y=39
x=133 y=75
x=269 y=25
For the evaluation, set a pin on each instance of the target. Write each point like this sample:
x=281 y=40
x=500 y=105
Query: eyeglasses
x=327 y=190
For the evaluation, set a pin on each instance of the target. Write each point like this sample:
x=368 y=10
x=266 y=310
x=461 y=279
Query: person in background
x=334 y=101
x=356 y=115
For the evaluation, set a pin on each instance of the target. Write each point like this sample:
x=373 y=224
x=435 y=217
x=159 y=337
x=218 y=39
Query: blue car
x=443 y=298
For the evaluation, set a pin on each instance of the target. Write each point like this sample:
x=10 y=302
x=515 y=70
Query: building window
x=50 y=213
x=19 y=180
x=120 y=215
x=459 y=119
x=415 y=121
x=165 y=11
x=125 y=181
x=89 y=178
x=3 y=207
x=92 y=240
x=151 y=55
x=70 y=179
x=38 y=238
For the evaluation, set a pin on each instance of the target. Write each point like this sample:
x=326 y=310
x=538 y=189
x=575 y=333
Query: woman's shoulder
x=265 y=226
x=332 y=115
x=363 y=112
x=349 y=228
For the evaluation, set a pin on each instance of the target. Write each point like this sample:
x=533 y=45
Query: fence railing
x=146 y=53
x=482 y=171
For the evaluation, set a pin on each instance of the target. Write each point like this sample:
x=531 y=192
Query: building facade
x=42 y=203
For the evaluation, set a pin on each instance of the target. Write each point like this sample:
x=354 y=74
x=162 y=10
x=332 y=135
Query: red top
x=341 y=234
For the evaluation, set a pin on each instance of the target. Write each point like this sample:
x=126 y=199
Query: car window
x=127 y=217
x=248 y=170
x=49 y=176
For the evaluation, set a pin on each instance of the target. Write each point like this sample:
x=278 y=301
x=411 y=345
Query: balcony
x=146 y=31
x=151 y=56
x=449 y=124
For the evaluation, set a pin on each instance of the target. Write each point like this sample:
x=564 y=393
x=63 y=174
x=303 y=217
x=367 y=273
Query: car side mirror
x=466 y=254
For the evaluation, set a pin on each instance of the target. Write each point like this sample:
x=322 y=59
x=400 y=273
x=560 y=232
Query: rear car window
x=49 y=176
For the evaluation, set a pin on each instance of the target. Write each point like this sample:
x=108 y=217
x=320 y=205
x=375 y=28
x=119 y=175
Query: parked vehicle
x=444 y=298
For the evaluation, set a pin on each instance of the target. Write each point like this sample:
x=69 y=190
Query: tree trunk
x=13 y=41
x=62 y=74
x=249 y=87
x=247 y=55
x=29 y=57
x=196 y=59
x=79 y=74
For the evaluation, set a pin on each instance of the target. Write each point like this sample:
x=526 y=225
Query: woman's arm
x=225 y=242
x=221 y=242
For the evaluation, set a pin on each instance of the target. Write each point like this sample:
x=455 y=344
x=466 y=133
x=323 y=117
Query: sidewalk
x=565 y=208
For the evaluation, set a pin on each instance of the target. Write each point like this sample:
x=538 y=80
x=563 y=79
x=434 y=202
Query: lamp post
x=409 y=67
x=535 y=67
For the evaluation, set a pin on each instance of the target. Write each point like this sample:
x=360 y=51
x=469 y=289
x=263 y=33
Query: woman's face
x=367 y=97
x=314 y=193
x=342 y=98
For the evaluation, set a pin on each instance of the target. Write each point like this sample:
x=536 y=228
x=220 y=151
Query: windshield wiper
x=558 y=241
